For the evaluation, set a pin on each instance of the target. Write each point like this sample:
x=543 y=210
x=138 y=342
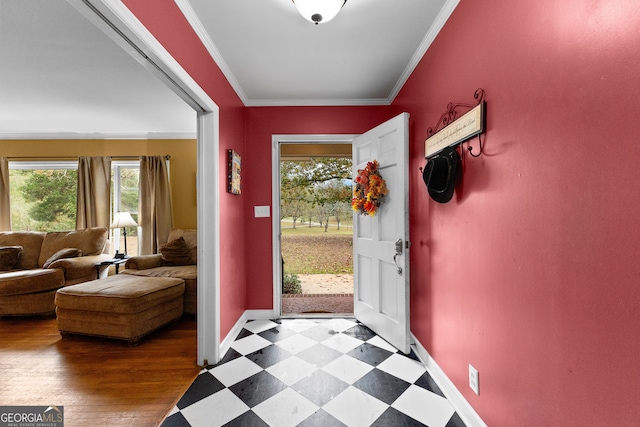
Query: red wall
x=166 y=22
x=246 y=271
x=261 y=124
x=531 y=272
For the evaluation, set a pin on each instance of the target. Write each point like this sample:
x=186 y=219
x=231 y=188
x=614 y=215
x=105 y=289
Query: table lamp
x=123 y=220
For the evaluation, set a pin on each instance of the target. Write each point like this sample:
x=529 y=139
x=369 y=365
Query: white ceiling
x=60 y=76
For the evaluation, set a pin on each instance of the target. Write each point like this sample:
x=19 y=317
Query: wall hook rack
x=453 y=129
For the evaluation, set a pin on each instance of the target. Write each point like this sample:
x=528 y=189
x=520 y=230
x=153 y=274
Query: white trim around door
x=122 y=26
x=276 y=141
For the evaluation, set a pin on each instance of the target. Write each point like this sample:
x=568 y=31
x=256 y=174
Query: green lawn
x=313 y=251
x=316 y=231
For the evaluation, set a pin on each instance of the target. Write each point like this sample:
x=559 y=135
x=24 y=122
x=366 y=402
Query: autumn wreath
x=369 y=190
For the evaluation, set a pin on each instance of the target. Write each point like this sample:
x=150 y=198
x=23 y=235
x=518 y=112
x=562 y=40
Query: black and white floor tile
x=313 y=372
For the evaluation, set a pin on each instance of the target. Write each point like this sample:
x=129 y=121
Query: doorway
x=381 y=245
x=115 y=21
x=312 y=223
x=316 y=229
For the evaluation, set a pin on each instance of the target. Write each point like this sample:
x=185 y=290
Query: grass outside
x=313 y=251
x=317 y=231
x=346 y=227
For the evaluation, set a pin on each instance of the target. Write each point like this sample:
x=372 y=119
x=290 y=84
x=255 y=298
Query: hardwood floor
x=99 y=382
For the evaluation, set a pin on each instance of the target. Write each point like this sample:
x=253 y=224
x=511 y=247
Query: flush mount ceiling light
x=318 y=11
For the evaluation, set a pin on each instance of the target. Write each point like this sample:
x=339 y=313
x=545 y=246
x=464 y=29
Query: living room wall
x=530 y=272
x=183 y=163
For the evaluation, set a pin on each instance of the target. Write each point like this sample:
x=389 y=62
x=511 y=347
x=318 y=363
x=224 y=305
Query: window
x=125 y=189
x=43 y=195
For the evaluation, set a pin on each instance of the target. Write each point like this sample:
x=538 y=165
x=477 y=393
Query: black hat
x=439 y=174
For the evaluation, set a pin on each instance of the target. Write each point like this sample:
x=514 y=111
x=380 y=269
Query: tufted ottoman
x=121 y=306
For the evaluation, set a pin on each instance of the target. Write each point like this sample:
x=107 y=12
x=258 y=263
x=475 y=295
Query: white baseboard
x=225 y=345
x=460 y=404
x=260 y=315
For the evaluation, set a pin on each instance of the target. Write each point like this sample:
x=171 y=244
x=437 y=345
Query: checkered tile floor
x=313 y=372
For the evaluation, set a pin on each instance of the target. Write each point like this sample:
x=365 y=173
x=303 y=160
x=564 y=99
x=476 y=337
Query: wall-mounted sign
x=460 y=130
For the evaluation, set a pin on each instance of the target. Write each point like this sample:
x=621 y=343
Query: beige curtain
x=5 y=206
x=94 y=189
x=156 y=210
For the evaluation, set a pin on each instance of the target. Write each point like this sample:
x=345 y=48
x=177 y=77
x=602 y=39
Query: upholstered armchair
x=178 y=259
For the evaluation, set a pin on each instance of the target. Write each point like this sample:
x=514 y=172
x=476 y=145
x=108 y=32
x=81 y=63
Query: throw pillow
x=62 y=253
x=176 y=252
x=9 y=256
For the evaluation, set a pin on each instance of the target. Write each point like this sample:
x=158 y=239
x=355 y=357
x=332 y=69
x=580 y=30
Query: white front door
x=380 y=243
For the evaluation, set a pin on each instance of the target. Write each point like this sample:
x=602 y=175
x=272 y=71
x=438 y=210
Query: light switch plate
x=261 y=211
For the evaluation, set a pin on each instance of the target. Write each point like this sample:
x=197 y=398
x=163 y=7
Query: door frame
x=124 y=28
x=276 y=142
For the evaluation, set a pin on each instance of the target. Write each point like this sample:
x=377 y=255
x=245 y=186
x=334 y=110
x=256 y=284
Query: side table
x=115 y=261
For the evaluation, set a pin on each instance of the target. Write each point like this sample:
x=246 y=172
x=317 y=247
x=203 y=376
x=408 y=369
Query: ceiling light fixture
x=318 y=11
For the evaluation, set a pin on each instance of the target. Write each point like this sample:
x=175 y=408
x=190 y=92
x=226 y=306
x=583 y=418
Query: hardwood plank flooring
x=99 y=382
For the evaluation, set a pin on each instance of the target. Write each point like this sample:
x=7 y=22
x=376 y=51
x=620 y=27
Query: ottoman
x=121 y=306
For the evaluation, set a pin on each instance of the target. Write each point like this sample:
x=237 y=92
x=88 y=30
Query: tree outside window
x=43 y=199
x=44 y=196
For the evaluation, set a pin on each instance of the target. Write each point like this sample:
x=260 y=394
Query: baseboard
x=460 y=404
x=225 y=345
x=260 y=314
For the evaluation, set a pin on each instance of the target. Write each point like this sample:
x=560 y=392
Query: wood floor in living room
x=99 y=382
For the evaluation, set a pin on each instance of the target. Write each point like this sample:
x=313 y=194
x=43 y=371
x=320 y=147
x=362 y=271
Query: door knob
x=399 y=246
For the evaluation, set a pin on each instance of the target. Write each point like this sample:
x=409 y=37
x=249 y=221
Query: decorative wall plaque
x=455 y=130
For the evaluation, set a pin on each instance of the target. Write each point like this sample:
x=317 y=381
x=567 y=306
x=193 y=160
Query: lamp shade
x=318 y=11
x=123 y=219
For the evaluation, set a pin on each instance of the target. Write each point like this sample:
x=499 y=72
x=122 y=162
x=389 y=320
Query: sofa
x=177 y=259
x=34 y=265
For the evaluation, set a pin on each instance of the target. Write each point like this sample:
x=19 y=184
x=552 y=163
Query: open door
x=381 y=243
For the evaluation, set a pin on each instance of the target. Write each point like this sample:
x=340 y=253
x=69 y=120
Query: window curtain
x=5 y=206
x=156 y=210
x=94 y=189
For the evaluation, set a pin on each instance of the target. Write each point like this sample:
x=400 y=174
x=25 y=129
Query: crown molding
x=315 y=102
x=96 y=135
x=431 y=35
x=196 y=24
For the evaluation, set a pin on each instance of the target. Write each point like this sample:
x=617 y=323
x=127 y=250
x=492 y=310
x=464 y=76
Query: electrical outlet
x=474 y=380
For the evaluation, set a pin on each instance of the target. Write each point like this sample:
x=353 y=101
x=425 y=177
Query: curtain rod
x=167 y=156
